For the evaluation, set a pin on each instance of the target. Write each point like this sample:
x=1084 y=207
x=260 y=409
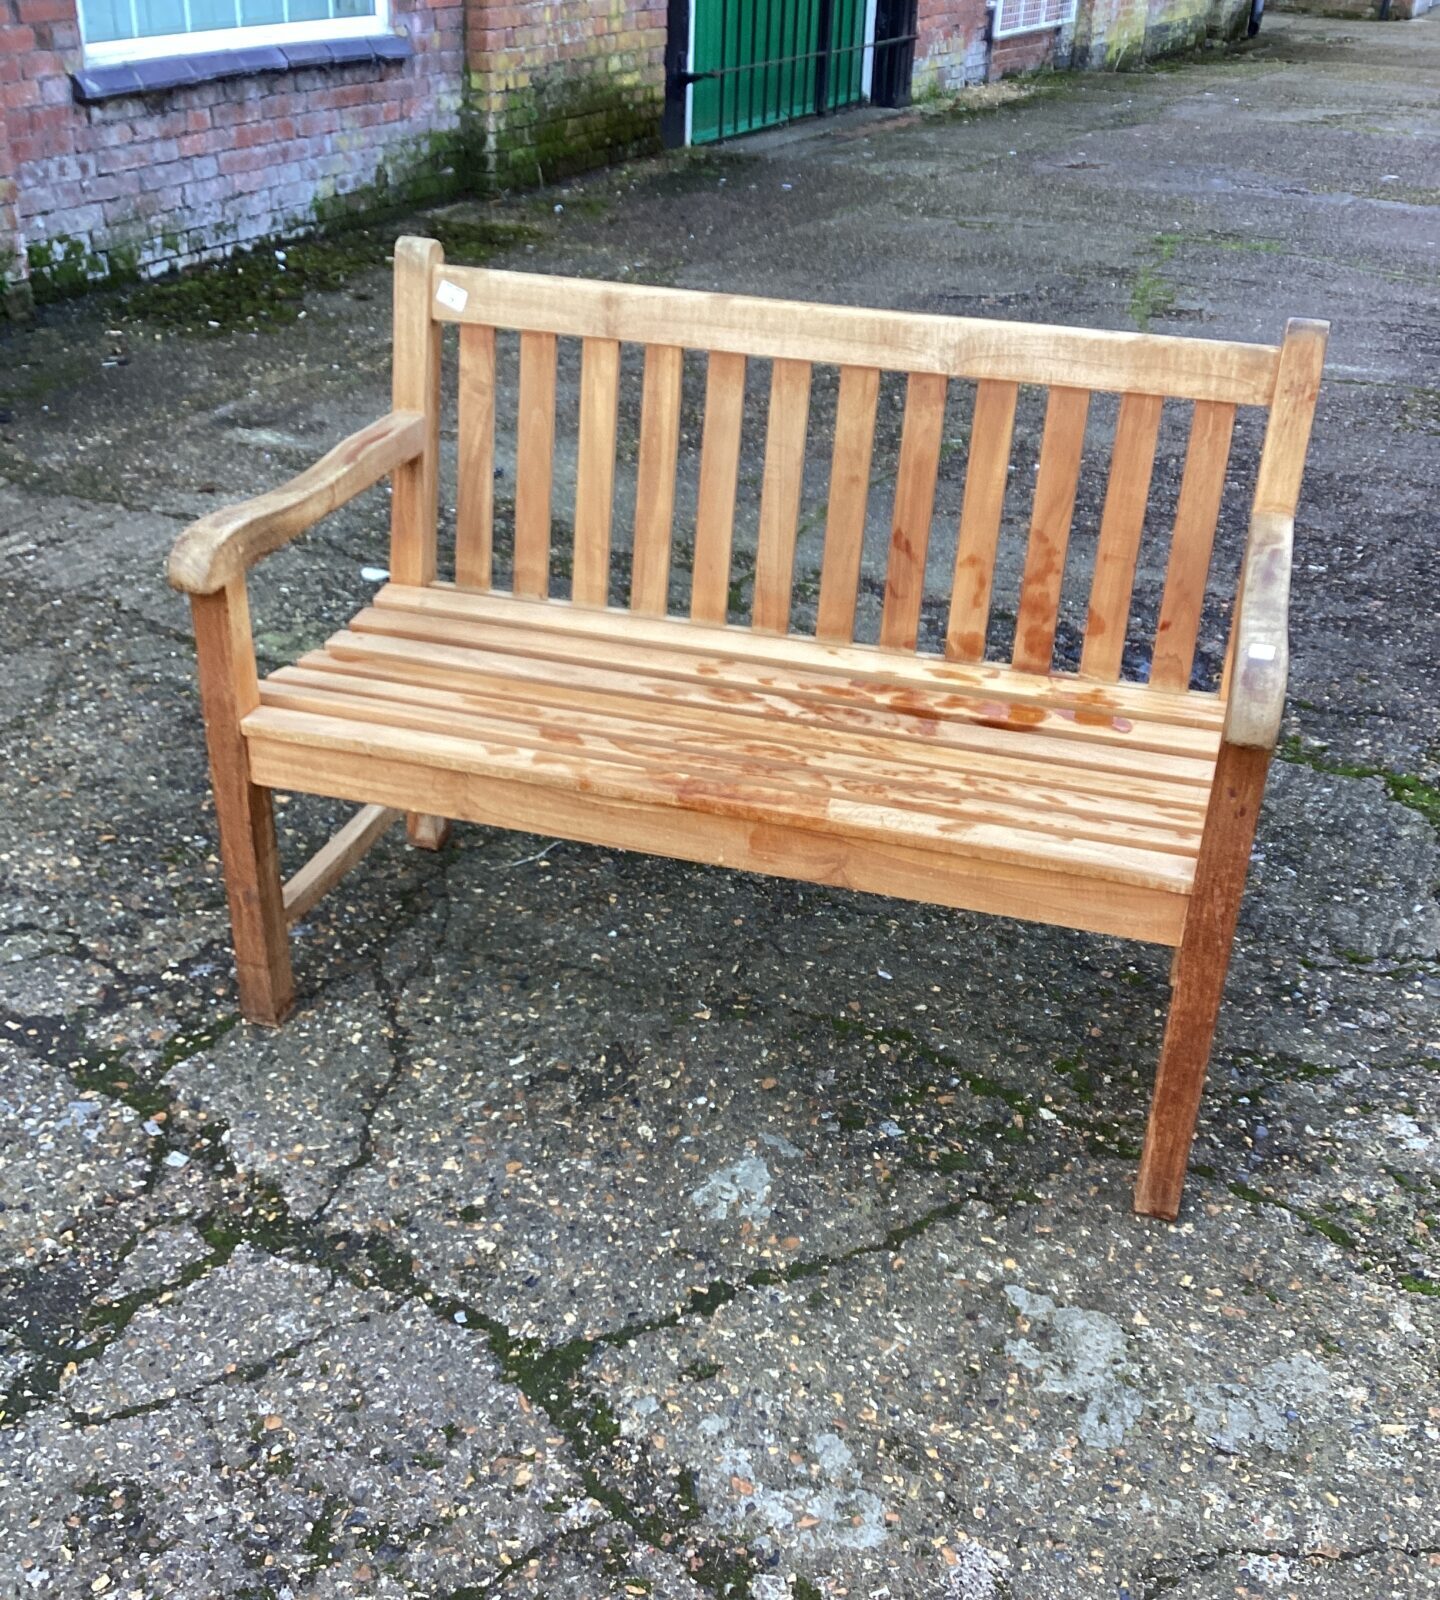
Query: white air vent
x=1030 y=16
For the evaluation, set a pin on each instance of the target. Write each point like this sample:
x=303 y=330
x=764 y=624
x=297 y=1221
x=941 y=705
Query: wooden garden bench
x=1082 y=798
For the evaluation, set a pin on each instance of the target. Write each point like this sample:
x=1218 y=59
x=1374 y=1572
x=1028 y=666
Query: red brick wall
x=564 y=84
x=1025 y=52
x=11 y=266
x=179 y=175
x=950 y=51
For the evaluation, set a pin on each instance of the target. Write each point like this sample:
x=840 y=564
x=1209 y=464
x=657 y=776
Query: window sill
x=180 y=71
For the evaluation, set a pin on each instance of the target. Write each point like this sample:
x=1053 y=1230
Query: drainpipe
x=990 y=10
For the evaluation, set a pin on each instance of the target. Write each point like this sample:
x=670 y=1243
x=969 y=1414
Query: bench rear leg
x=426 y=832
x=248 y=850
x=1198 y=978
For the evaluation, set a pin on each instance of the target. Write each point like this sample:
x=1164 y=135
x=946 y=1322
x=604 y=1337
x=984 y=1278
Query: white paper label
x=451 y=295
x=1261 y=652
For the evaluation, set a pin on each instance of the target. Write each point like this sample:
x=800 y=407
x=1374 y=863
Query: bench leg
x=248 y=850
x=1198 y=978
x=426 y=832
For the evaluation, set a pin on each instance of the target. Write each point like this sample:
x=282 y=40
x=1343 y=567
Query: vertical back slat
x=1132 y=463
x=655 y=478
x=914 y=506
x=475 y=484
x=849 y=495
x=415 y=386
x=992 y=427
x=780 y=493
x=534 y=459
x=595 y=470
x=1201 y=487
x=1054 y=506
x=719 y=471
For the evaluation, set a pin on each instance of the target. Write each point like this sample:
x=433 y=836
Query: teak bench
x=1082 y=799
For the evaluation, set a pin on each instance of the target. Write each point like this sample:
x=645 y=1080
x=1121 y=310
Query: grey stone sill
x=178 y=72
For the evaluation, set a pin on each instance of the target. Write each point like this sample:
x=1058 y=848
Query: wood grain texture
x=415 y=386
x=343 y=850
x=1132 y=462
x=1202 y=486
x=1260 y=665
x=426 y=830
x=987 y=473
x=1199 y=978
x=780 y=494
x=914 y=506
x=1051 y=516
x=534 y=464
x=719 y=479
x=879 y=867
x=655 y=479
x=1292 y=414
x=475 y=475
x=595 y=470
x=1282 y=465
x=219 y=548
x=632 y=722
x=895 y=341
x=850 y=459
x=248 y=851
x=546 y=629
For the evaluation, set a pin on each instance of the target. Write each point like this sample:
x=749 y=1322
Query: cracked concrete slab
x=851 y=1433
x=63 y=1154
x=606 y=1226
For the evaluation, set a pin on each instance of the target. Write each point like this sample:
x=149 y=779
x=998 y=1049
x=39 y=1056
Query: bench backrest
x=997 y=360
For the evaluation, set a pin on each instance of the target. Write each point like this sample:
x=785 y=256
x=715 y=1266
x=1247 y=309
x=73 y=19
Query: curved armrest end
x=223 y=545
x=1262 y=646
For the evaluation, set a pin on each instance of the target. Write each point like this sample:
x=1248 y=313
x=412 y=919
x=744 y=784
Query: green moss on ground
x=1403 y=787
x=267 y=285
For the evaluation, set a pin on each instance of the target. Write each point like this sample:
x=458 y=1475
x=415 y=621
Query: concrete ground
x=605 y=1226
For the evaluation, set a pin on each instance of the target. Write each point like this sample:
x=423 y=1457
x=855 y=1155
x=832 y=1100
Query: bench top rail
x=895 y=341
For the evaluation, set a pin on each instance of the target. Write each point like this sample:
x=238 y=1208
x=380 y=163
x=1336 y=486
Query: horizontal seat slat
x=757 y=803
x=895 y=341
x=930 y=674
x=783 y=697
x=613 y=738
x=790 y=691
x=424 y=669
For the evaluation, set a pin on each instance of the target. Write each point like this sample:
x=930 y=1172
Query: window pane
x=254 y=13
x=307 y=10
x=107 y=19
x=160 y=16
x=354 y=8
x=212 y=14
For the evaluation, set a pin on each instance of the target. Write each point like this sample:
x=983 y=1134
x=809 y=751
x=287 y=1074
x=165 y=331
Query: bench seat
x=1103 y=787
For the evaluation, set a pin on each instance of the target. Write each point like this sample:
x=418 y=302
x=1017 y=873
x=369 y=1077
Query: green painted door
x=773 y=60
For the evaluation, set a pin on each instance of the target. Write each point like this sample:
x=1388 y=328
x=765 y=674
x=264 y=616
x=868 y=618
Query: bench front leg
x=1198 y=977
x=229 y=691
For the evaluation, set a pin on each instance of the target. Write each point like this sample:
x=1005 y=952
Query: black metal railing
x=779 y=82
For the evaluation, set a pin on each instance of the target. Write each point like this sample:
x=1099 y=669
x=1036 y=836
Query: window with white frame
x=137 y=30
x=1030 y=16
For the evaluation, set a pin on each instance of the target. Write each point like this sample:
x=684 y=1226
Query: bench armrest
x=224 y=544
x=1262 y=647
